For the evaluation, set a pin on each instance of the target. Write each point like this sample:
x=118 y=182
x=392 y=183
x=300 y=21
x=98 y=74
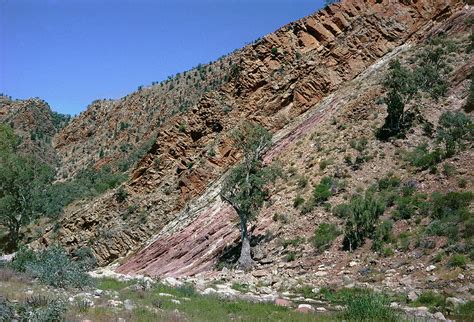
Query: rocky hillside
x=119 y=132
x=35 y=122
x=286 y=81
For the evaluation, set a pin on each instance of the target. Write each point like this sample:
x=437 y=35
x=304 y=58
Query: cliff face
x=172 y=192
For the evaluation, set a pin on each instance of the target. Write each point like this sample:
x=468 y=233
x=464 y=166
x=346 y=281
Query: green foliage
x=302 y=182
x=422 y=158
x=291 y=256
x=387 y=251
x=342 y=210
x=449 y=211
x=88 y=183
x=457 y=260
x=409 y=205
x=361 y=223
x=455 y=130
x=298 y=201
x=323 y=190
x=324 y=235
x=23 y=257
x=60 y=120
x=42 y=309
x=466 y=310
x=7 y=312
x=402 y=84
x=430 y=299
x=244 y=187
x=401 y=87
x=54 y=267
x=292 y=242
x=382 y=235
x=451 y=204
x=432 y=68
x=370 y=307
x=22 y=182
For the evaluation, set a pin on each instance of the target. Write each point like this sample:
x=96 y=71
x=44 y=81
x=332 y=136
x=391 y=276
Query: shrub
x=53 y=266
x=121 y=194
x=298 y=201
x=404 y=241
x=46 y=309
x=455 y=129
x=452 y=204
x=369 y=307
x=186 y=290
x=457 y=260
x=324 y=235
x=342 y=210
x=307 y=207
x=422 y=158
x=323 y=190
x=7 y=313
x=22 y=258
x=387 y=251
x=466 y=310
x=324 y=164
x=430 y=299
x=399 y=82
x=382 y=235
x=389 y=182
x=302 y=182
x=361 y=223
x=430 y=74
x=290 y=257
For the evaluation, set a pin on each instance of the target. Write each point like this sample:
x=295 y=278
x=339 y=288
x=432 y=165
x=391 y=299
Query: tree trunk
x=245 y=261
x=13 y=236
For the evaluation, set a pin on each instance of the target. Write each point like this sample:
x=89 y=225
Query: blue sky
x=71 y=52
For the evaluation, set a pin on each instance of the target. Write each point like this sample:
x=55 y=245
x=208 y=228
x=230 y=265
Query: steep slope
x=115 y=132
x=277 y=79
x=323 y=142
x=35 y=122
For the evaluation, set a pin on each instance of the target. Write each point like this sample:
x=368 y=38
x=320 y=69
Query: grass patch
x=431 y=300
x=370 y=307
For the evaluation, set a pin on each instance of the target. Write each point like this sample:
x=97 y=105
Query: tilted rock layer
x=172 y=192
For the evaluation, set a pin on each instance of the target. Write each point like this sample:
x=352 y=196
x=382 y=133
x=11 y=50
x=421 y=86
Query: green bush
x=432 y=68
x=452 y=204
x=42 y=309
x=404 y=241
x=22 y=258
x=466 y=310
x=431 y=300
x=298 y=201
x=323 y=190
x=361 y=223
x=121 y=194
x=324 y=235
x=369 y=307
x=54 y=267
x=382 y=235
x=457 y=260
x=7 y=313
x=422 y=158
x=454 y=131
x=342 y=210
